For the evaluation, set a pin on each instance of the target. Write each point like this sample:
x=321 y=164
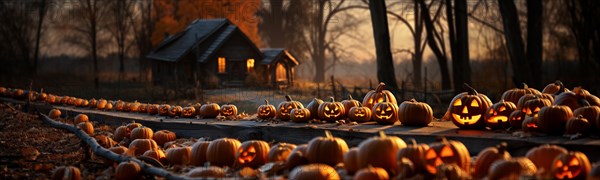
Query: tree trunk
x=534 y=40
x=418 y=55
x=385 y=63
x=94 y=36
x=514 y=42
x=277 y=38
x=42 y=13
x=431 y=42
x=462 y=42
x=319 y=43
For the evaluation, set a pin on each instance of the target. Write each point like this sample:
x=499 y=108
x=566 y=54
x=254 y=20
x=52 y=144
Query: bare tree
x=18 y=35
x=385 y=62
x=42 y=10
x=120 y=28
x=143 y=26
x=284 y=24
x=435 y=41
x=585 y=28
x=459 y=41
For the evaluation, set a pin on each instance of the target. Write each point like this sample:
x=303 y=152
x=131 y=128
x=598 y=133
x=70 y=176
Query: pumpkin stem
x=442 y=139
x=288 y=97
x=382 y=134
x=413 y=142
x=502 y=147
x=350 y=97
x=413 y=100
x=331 y=99
x=380 y=87
x=266 y=102
x=561 y=85
x=385 y=98
x=328 y=134
x=524 y=86
x=469 y=89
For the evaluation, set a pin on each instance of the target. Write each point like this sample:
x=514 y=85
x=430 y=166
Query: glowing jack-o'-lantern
x=163 y=110
x=300 y=115
x=385 y=112
x=252 y=154
x=574 y=165
x=447 y=152
x=533 y=106
x=359 y=114
x=175 y=111
x=331 y=111
x=530 y=124
x=349 y=103
x=152 y=109
x=376 y=96
x=516 y=119
x=285 y=107
x=266 y=111
x=497 y=115
x=467 y=109
x=188 y=112
x=229 y=110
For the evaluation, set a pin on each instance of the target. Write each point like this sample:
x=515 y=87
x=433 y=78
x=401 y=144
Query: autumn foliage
x=174 y=16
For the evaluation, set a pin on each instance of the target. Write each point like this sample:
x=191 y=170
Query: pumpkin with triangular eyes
x=229 y=110
x=516 y=119
x=331 y=111
x=385 y=113
x=533 y=106
x=574 y=165
x=497 y=115
x=359 y=114
x=175 y=111
x=300 y=115
x=447 y=152
x=467 y=109
x=152 y=109
x=266 y=111
x=349 y=103
x=163 y=110
x=252 y=154
x=188 y=112
x=376 y=96
x=284 y=108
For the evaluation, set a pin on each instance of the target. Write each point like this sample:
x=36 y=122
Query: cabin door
x=238 y=70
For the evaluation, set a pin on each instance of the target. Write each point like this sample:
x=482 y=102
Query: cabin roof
x=274 y=54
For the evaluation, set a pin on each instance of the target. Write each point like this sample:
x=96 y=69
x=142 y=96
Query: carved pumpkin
x=415 y=153
x=179 y=155
x=54 y=113
x=163 y=136
x=370 y=173
x=51 y=99
x=511 y=169
x=413 y=113
x=120 y=105
x=574 y=165
x=385 y=113
x=175 y=111
x=513 y=95
x=530 y=124
x=207 y=172
x=467 y=109
x=532 y=107
x=141 y=133
x=66 y=173
x=198 y=154
x=152 y=109
x=591 y=113
x=188 y=112
x=81 y=118
x=360 y=114
x=222 y=152
x=331 y=111
x=556 y=88
x=447 y=152
x=577 y=125
x=313 y=107
x=128 y=170
x=210 y=110
x=285 y=108
x=252 y=154
x=163 y=110
x=87 y=127
x=380 y=151
x=543 y=156
x=143 y=108
x=297 y=157
x=351 y=161
x=314 y=172
x=229 y=110
x=266 y=111
x=300 y=115
x=280 y=152
x=327 y=150
x=134 y=106
x=487 y=157
x=516 y=119
x=93 y=102
x=376 y=96
x=349 y=103
x=497 y=115
x=140 y=146
x=552 y=119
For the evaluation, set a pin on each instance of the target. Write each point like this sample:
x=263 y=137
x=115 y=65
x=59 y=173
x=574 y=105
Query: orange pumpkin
x=163 y=110
x=371 y=172
x=314 y=172
x=376 y=96
x=229 y=110
x=140 y=146
x=516 y=119
x=141 y=133
x=360 y=114
x=121 y=133
x=351 y=161
x=297 y=157
x=66 y=173
x=487 y=157
x=555 y=88
x=591 y=113
x=530 y=124
x=447 y=152
x=198 y=154
x=152 y=109
x=413 y=113
x=385 y=113
x=552 y=119
x=577 y=125
x=105 y=141
x=54 y=113
x=300 y=115
x=179 y=155
x=266 y=111
x=252 y=154
x=157 y=154
x=532 y=107
x=128 y=170
x=415 y=153
x=349 y=103
x=498 y=114
x=280 y=152
x=207 y=172
x=326 y=150
x=380 y=151
x=210 y=110
x=513 y=95
x=222 y=152
x=285 y=108
x=543 y=156
x=574 y=165
x=163 y=136
x=87 y=127
x=175 y=111
x=512 y=169
x=81 y=118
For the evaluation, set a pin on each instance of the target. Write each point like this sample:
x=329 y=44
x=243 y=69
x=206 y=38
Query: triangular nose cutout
x=465 y=111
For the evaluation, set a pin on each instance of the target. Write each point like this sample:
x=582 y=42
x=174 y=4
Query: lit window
x=221 y=65
x=250 y=64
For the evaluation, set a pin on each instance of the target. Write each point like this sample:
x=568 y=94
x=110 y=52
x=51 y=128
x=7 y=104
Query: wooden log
x=101 y=151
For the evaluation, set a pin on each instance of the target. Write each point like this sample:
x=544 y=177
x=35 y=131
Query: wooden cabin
x=214 y=53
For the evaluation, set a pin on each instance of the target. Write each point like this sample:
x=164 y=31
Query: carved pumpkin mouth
x=467 y=119
x=566 y=173
x=265 y=112
x=359 y=115
x=531 y=125
x=384 y=116
x=299 y=115
x=496 y=119
x=331 y=114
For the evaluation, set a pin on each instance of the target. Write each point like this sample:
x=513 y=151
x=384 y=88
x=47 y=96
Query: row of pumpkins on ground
x=555 y=110
x=329 y=157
